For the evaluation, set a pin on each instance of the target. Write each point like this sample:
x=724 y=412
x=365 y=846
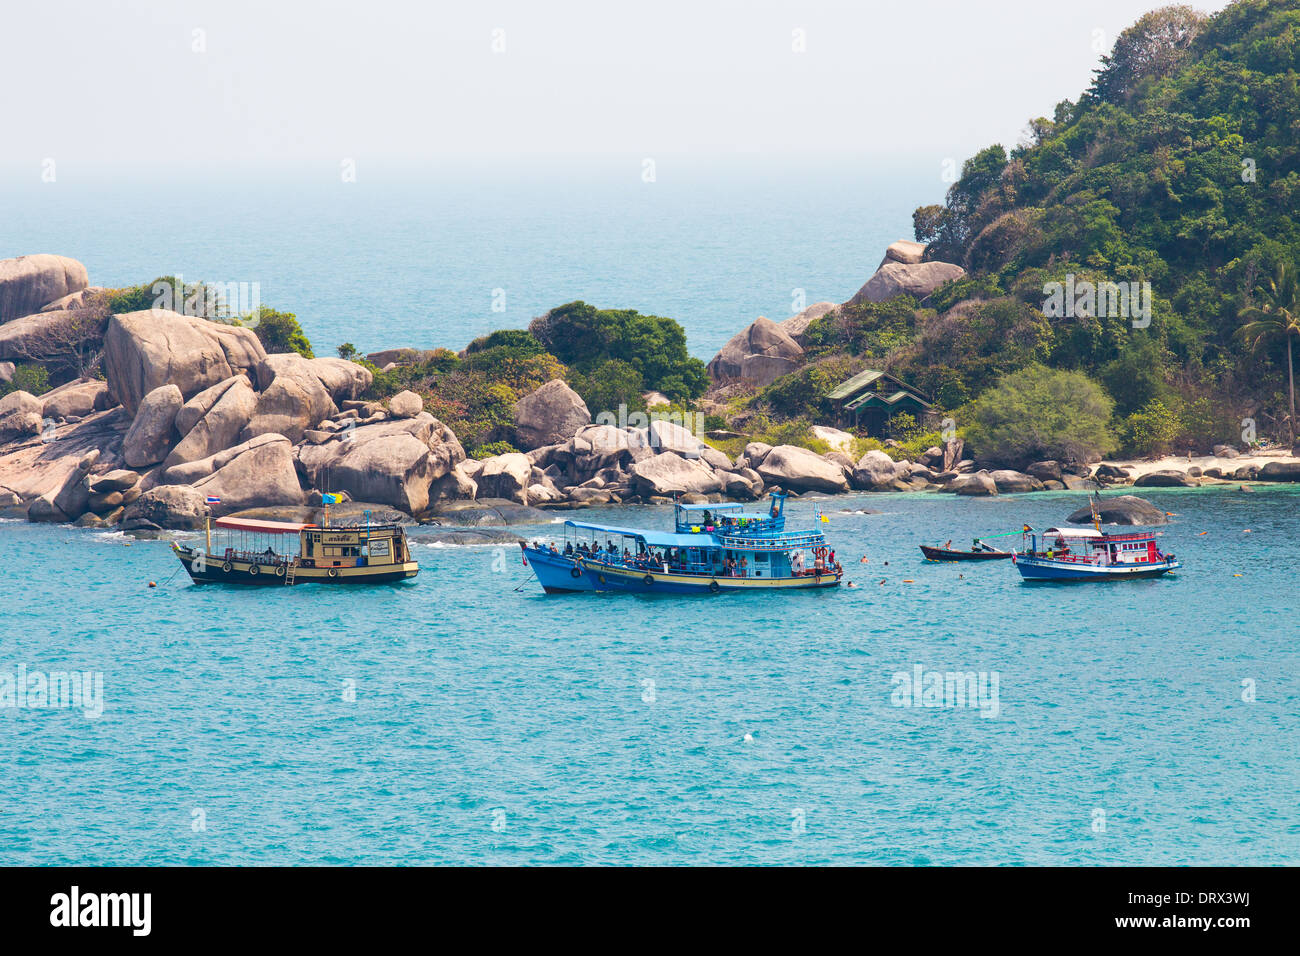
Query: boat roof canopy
x=663 y=538
x=727 y=506
x=1075 y=532
x=261 y=527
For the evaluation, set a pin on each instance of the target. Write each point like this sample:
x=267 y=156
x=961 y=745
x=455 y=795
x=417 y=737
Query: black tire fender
x=648 y=580
x=226 y=567
x=714 y=587
x=575 y=572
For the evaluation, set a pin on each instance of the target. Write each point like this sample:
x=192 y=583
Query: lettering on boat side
x=976 y=690
x=38 y=690
x=74 y=908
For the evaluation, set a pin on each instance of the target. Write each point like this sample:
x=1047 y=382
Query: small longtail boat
x=713 y=548
x=979 y=550
x=251 y=551
x=984 y=553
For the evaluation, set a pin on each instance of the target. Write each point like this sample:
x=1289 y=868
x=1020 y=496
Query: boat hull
x=213 y=569
x=1045 y=569
x=563 y=575
x=942 y=554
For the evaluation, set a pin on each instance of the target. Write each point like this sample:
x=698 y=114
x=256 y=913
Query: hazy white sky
x=100 y=84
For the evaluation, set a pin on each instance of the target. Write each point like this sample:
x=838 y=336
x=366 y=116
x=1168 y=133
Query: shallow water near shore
x=502 y=726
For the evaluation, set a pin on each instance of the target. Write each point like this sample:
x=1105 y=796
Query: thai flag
x=213 y=500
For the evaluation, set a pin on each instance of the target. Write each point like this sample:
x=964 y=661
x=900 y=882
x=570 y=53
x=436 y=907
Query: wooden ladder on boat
x=289 y=573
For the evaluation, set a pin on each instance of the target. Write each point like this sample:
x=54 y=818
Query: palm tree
x=1276 y=314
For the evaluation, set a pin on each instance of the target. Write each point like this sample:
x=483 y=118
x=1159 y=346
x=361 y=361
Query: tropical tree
x=1275 y=314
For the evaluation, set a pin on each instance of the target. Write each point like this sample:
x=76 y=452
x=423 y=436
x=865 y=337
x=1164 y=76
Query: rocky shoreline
x=191 y=410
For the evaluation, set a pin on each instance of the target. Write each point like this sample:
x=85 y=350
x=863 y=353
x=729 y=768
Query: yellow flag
x=825 y=520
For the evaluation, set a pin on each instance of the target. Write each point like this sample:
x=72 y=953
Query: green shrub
x=279 y=332
x=585 y=338
x=33 y=379
x=1040 y=413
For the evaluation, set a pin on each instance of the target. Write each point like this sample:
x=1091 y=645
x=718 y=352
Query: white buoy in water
x=749 y=738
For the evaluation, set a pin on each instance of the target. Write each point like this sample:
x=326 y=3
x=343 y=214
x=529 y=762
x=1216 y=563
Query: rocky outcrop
x=405 y=404
x=977 y=484
x=213 y=420
x=344 y=380
x=144 y=350
x=1280 y=471
x=1164 y=478
x=876 y=471
x=905 y=251
x=669 y=436
x=391 y=462
x=20 y=416
x=898 y=278
x=798 y=469
x=57 y=339
x=28 y=283
x=760 y=354
x=1014 y=482
x=505 y=476
x=260 y=474
x=294 y=400
x=797 y=325
x=166 y=506
x=836 y=439
x=1124 y=509
x=152 y=430
x=669 y=474
x=69 y=498
x=549 y=415
x=79 y=398
x=1045 y=470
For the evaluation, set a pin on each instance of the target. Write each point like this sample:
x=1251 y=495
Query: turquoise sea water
x=499 y=726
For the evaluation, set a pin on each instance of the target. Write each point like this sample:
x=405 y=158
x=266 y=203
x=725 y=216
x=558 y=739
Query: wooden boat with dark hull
x=945 y=554
x=360 y=554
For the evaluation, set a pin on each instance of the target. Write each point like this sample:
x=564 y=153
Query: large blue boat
x=1090 y=554
x=713 y=548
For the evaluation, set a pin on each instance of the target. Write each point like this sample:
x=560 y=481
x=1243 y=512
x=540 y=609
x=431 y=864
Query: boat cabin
x=1090 y=546
x=730 y=518
x=308 y=545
